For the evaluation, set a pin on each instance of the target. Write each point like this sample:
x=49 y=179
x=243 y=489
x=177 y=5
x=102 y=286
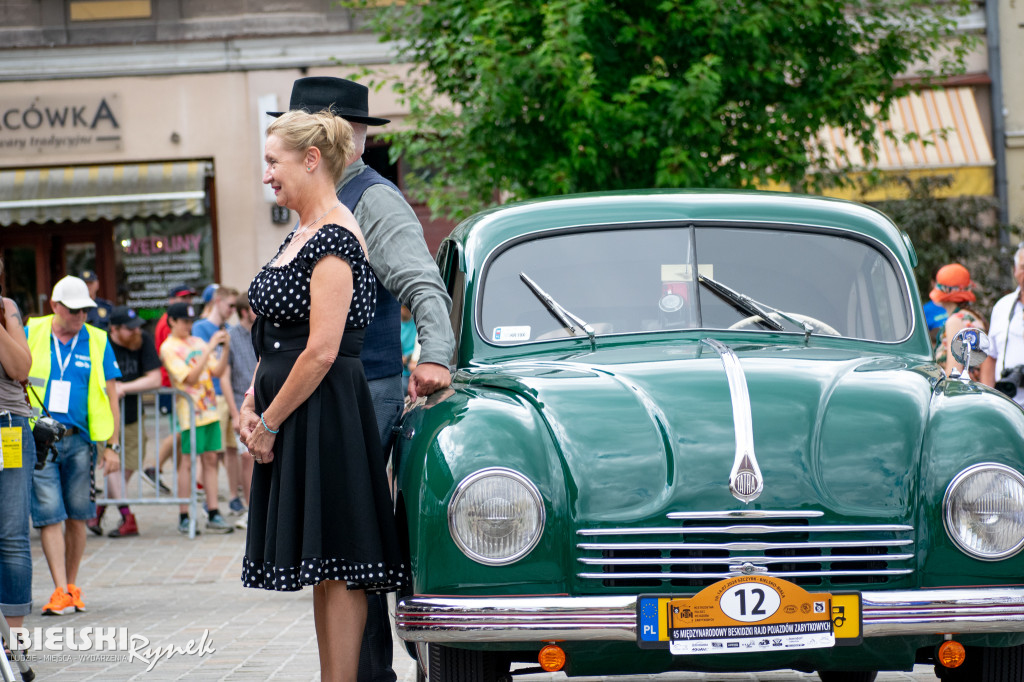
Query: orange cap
x=953 y=284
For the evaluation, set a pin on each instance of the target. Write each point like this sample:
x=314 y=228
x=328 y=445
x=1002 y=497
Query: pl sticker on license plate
x=743 y=614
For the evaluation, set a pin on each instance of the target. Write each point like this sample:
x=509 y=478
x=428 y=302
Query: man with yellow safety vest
x=77 y=364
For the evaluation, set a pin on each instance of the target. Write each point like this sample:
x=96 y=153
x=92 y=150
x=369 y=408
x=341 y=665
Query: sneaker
x=242 y=523
x=237 y=506
x=60 y=604
x=183 y=527
x=149 y=476
x=94 y=525
x=76 y=598
x=217 y=524
x=126 y=529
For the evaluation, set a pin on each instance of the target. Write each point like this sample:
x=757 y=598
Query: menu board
x=157 y=255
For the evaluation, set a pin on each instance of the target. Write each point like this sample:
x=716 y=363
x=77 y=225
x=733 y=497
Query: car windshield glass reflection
x=634 y=280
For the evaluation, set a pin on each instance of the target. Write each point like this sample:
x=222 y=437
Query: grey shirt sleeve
x=399 y=256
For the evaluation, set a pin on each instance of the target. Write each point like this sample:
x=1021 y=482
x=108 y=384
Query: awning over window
x=951 y=141
x=38 y=195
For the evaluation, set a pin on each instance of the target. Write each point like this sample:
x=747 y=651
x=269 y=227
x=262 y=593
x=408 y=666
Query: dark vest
x=382 y=346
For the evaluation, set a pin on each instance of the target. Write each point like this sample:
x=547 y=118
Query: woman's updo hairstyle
x=331 y=134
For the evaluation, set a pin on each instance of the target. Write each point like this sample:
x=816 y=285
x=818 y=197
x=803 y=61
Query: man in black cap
x=405 y=272
x=140 y=371
x=100 y=315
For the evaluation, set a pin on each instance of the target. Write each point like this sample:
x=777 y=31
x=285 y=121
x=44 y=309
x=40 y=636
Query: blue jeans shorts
x=15 y=501
x=64 y=488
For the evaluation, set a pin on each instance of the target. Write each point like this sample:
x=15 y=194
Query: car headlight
x=496 y=516
x=984 y=511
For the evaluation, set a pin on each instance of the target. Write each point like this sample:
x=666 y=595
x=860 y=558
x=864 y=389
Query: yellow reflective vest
x=101 y=419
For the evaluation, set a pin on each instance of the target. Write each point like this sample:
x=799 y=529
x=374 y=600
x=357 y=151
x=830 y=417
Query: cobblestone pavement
x=170 y=590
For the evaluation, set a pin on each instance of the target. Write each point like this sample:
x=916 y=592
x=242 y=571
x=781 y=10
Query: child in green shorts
x=190 y=363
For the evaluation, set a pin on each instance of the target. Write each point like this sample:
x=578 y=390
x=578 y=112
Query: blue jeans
x=63 y=489
x=15 y=501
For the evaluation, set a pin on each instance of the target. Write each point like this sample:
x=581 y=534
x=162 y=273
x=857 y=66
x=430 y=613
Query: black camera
x=45 y=433
x=1012 y=378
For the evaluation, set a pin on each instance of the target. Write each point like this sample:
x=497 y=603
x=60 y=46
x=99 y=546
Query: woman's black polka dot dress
x=322 y=509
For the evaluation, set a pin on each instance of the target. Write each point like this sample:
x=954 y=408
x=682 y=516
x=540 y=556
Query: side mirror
x=970 y=348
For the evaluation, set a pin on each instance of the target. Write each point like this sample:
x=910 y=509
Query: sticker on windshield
x=521 y=333
x=684 y=273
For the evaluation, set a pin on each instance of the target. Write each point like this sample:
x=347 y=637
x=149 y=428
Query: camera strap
x=1006 y=341
x=29 y=387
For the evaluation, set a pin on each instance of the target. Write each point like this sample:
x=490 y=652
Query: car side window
x=448 y=262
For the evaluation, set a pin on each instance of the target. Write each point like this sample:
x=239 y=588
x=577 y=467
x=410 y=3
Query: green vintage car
x=704 y=431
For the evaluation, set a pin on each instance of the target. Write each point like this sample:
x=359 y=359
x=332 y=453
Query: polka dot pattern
x=281 y=293
x=373 y=577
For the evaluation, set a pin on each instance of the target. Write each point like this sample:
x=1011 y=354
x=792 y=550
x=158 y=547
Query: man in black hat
x=405 y=272
x=100 y=315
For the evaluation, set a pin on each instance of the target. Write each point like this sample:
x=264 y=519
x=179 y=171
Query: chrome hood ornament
x=745 y=481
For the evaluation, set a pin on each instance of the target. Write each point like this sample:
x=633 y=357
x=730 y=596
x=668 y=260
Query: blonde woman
x=320 y=511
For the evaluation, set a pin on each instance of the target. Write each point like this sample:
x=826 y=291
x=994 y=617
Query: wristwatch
x=116 y=447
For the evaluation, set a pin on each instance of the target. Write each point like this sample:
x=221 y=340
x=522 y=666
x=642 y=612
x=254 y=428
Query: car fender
x=475 y=428
x=963 y=416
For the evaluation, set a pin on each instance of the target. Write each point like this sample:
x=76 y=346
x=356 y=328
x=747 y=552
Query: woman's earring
x=308 y=168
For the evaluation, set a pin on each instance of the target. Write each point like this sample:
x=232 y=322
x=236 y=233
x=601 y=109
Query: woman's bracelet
x=269 y=430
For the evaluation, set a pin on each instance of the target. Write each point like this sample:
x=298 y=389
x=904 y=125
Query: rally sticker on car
x=748 y=613
x=521 y=333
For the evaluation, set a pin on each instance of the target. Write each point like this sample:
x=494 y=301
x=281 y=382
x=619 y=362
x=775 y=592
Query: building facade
x=131 y=137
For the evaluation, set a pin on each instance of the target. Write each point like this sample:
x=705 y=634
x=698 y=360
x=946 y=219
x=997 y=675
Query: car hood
x=643 y=436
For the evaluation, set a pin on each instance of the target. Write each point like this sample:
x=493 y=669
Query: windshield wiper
x=568 y=320
x=745 y=304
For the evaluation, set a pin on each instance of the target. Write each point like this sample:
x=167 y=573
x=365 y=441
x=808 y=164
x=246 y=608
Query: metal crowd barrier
x=151 y=418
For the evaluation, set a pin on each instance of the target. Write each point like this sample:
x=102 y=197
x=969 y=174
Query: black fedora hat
x=345 y=98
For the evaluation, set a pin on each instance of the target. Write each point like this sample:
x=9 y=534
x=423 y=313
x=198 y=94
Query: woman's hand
x=261 y=444
x=248 y=420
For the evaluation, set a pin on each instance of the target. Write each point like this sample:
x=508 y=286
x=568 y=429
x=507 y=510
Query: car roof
x=482 y=232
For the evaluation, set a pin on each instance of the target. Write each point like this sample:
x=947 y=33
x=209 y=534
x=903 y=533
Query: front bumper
x=529 y=619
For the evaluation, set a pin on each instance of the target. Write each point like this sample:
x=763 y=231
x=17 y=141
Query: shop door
x=36 y=256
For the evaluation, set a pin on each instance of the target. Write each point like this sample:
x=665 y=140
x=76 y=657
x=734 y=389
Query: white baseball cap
x=73 y=293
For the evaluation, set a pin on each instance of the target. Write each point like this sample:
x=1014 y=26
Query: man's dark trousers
x=377 y=649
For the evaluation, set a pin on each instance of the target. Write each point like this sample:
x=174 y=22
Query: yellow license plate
x=747 y=614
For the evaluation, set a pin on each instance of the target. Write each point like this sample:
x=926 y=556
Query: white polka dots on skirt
x=373 y=577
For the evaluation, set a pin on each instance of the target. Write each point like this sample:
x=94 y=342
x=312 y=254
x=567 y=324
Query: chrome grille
x=705 y=547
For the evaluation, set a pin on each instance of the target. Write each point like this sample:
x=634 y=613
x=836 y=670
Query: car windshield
x=624 y=281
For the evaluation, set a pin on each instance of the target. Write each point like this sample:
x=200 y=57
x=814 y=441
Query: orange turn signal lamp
x=951 y=654
x=551 y=658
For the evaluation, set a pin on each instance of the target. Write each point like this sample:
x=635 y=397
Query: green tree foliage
x=956 y=230
x=515 y=99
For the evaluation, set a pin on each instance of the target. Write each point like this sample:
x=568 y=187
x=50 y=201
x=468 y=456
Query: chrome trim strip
x=885 y=528
x=739 y=546
x=745 y=480
x=721 y=575
x=613 y=618
x=746 y=514
x=697 y=561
